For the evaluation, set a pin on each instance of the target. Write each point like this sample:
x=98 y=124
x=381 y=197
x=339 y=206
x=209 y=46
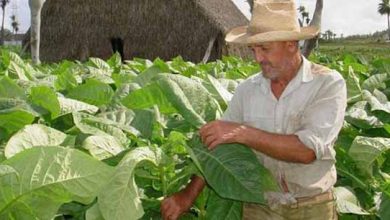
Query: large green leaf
x=46 y=98
x=65 y=81
x=102 y=147
x=353 y=86
x=378 y=101
x=93 y=92
x=49 y=177
x=146 y=76
x=358 y=116
x=115 y=61
x=7 y=170
x=101 y=75
x=365 y=151
x=138 y=64
x=347 y=202
x=9 y=89
x=89 y=124
x=235 y=165
x=190 y=98
x=15 y=114
x=33 y=136
x=71 y=105
x=219 y=208
x=170 y=91
x=384 y=208
x=14 y=120
x=123 y=119
x=133 y=121
x=8 y=56
x=17 y=72
x=98 y=63
x=121 y=199
x=94 y=213
x=147 y=97
x=376 y=81
x=218 y=91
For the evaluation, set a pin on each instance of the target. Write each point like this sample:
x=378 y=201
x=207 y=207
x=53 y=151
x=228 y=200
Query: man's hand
x=175 y=205
x=220 y=132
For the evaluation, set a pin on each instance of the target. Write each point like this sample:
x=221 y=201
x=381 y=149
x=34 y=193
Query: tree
x=3 y=4
x=307 y=20
x=250 y=2
x=35 y=9
x=309 y=45
x=329 y=34
x=14 y=24
x=384 y=8
x=304 y=14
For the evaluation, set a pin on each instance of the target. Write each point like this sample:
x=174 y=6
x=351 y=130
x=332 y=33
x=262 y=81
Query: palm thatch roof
x=75 y=29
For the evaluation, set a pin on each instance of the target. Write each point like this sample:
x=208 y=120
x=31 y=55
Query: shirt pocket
x=294 y=122
x=260 y=122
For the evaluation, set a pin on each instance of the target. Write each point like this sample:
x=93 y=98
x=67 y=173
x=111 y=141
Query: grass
x=368 y=48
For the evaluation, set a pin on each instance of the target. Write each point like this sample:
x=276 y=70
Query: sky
x=340 y=16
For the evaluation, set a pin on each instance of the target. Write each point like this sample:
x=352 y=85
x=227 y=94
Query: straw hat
x=272 y=20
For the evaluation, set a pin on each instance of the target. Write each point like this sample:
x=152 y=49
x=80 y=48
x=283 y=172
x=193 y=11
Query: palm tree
x=384 y=8
x=14 y=24
x=307 y=20
x=3 y=3
x=329 y=34
x=310 y=44
x=250 y=2
x=304 y=14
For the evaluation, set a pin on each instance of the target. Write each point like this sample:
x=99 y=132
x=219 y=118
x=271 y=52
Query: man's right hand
x=175 y=205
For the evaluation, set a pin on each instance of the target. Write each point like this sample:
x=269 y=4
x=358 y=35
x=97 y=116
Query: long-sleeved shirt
x=312 y=106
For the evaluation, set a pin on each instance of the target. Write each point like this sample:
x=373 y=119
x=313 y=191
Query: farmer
x=290 y=115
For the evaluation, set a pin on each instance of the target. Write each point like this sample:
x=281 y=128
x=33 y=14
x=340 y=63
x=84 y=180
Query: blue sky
x=340 y=16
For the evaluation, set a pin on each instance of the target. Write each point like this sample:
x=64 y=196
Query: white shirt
x=312 y=106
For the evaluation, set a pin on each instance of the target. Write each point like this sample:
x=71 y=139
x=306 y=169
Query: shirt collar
x=307 y=75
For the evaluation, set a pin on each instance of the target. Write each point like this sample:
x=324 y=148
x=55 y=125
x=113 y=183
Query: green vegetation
x=363 y=155
x=103 y=139
x=110 y=140
x=358 y=47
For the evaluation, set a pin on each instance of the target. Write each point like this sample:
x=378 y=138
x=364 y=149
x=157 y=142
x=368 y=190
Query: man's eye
x=265 y=49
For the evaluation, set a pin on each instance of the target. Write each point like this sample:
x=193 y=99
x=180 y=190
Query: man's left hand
x=220 y=132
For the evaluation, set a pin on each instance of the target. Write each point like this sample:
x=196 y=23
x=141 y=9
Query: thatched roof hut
x=75 y=29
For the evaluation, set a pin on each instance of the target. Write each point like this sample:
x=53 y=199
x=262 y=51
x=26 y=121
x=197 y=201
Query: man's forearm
x=195 y=187
x=282 y=147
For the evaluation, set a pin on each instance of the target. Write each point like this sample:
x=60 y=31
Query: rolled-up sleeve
x=323 y=119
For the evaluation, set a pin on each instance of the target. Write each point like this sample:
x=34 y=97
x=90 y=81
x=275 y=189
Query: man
x=290 y=115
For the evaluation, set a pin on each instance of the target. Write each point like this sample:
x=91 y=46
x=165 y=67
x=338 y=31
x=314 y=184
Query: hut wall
x=74 y=29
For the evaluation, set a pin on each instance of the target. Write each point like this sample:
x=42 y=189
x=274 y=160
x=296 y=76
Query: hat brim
x=239 y=35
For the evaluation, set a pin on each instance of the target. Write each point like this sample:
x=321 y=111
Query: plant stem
x=163 y=180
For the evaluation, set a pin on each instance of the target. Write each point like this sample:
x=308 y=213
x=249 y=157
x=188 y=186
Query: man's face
x=274 y=58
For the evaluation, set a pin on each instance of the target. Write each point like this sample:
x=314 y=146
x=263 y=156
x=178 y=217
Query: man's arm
x=282 y=147
x=175 y=205
x=319 y=128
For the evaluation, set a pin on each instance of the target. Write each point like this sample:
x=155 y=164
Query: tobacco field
x=109 y=140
